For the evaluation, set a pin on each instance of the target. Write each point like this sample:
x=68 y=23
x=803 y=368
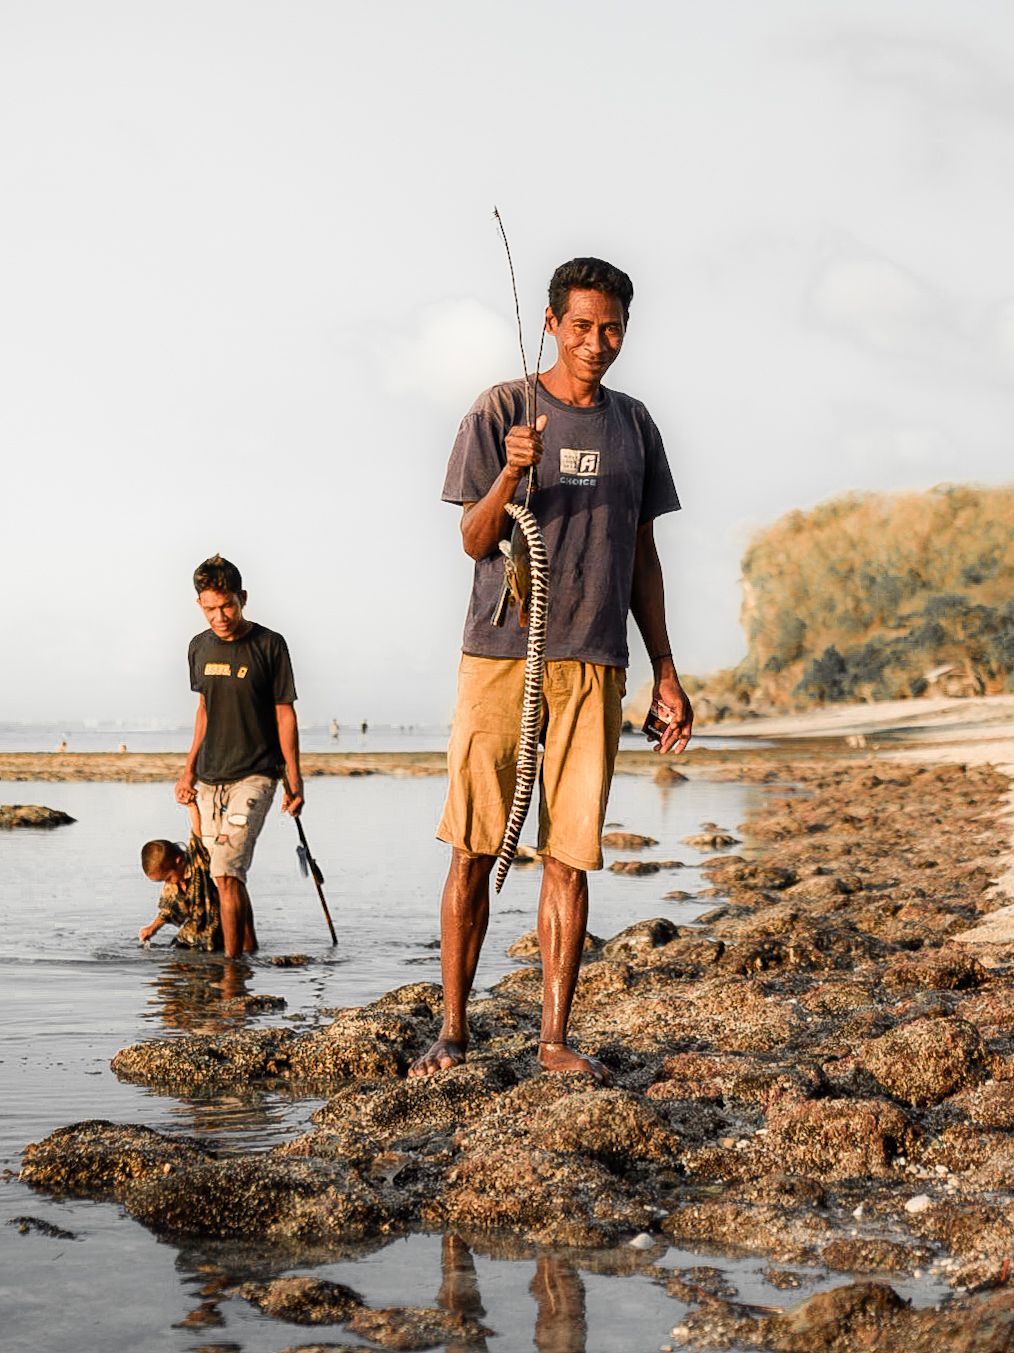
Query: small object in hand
x=657 y=721
x=146 y=944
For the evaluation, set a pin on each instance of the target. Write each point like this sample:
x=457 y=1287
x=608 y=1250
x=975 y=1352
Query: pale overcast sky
x=250 y=280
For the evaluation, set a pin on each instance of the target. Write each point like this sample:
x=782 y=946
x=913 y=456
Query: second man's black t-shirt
x=242 y=681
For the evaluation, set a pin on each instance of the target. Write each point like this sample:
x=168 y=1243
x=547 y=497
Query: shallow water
x=75 y=987
x=379 y=737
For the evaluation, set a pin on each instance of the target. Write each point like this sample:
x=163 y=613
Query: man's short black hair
x=217 y=575
x=589 y=274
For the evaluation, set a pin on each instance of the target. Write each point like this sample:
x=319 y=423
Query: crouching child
x=189 y=898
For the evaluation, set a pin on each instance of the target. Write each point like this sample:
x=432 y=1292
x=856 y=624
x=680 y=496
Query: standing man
x=602 y=480
x=245 y=739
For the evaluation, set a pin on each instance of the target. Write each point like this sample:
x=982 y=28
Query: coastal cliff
x=874 y=596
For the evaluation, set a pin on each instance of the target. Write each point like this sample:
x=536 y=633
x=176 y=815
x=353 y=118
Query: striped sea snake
x=531 y=709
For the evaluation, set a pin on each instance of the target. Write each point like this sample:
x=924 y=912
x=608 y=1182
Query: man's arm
x=647 y=603
x=185 y=791
x=483 y=522
x=288 y=737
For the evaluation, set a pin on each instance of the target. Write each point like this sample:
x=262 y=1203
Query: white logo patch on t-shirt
x=578 y=467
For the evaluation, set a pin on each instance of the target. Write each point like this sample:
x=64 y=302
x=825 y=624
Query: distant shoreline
x=148 y=767
x=976 y=731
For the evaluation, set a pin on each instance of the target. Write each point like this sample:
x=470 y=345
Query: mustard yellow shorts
x=581 y=718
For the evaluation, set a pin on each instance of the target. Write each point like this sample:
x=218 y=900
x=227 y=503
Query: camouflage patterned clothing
x=193 y=906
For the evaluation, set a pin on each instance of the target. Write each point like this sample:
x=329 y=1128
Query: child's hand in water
x=144 y=935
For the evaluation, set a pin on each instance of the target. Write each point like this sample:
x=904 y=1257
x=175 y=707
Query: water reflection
x=459 y=1290
x=200 y=994
x=560 y=1323
x=560 y=1320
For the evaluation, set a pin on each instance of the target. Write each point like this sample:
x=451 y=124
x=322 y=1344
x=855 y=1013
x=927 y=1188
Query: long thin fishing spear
x=309 y=865
x=532 y=395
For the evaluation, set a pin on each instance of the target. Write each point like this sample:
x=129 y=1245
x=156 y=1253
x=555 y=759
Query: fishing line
x=531 y=395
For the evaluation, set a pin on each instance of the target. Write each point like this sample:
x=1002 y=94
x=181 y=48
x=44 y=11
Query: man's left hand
x=292 y=797
x=669 y=692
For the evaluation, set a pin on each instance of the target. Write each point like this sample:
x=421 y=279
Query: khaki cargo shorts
x=581 y=718
x=232 y=816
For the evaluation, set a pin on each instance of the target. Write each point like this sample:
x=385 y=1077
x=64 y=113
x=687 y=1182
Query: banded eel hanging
x=531 y=709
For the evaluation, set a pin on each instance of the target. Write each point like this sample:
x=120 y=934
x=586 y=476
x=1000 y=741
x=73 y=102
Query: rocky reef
x=820 y=1071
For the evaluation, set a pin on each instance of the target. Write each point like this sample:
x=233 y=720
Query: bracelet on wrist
x=658 y=657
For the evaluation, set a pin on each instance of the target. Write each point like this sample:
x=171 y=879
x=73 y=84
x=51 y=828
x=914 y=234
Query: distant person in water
x=189 y=898
x=245 y=740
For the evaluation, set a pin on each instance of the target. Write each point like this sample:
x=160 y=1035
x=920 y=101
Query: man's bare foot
x=558 y=1057
x=444 y=1053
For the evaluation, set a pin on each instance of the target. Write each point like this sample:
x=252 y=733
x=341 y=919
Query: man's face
x=223 y=611
x=589 y=335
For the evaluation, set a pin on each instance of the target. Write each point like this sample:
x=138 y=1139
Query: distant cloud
x=880 y=304
x=458 y=348
x=937 y=74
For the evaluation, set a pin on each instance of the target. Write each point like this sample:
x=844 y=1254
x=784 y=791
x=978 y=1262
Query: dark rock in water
x=735 y=874
x=640 y=937
x=32 y=815
x=869 y=1316
x=298 y=1348
x=301 y=1300
x=261 y=1196
x=856 y=1313
x=206 y=1316
x=290 y=960
x=711 y=840
x=418 y=1327
x=677 y=895
x=252 y=1004
x=206 y=1060
x=925 y=1061
x=668 y=775
x=96 y=1157
x=26 y=1225
x=627 y=841
x=638 y=867
x=367 y=1043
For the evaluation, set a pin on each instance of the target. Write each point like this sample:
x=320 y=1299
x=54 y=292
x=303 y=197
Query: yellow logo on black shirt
x=218 y=669
x=242 y=673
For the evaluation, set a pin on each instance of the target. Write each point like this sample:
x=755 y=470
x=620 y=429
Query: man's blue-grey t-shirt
x=603 y=474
